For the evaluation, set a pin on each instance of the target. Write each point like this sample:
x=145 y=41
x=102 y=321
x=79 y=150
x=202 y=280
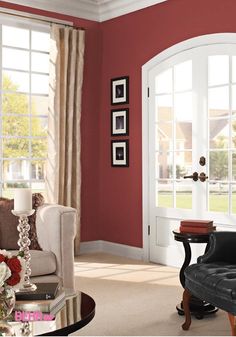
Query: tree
x=12 y=125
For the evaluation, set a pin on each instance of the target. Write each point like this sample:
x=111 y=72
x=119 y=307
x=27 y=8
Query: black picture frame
x=120 y=153
x=119 y=122
x=120 y=90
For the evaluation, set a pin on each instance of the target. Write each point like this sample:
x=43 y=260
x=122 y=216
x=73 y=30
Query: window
x=24 y=58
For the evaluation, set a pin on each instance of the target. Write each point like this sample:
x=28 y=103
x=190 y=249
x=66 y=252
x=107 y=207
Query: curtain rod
x=30 y=16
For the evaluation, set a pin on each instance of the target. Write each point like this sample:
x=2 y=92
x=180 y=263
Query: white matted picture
x=120 y=122
x=120 y=90
x=120 y=153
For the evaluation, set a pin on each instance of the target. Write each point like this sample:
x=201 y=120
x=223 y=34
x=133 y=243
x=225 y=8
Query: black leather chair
x=213 y=277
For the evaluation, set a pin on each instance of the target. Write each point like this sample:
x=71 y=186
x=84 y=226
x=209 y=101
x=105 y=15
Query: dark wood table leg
x=198 y=307
x=187 y=260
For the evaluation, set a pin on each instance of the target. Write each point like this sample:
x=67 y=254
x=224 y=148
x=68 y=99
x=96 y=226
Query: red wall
x=112 y=197
x=89 y=120
x=129 y=42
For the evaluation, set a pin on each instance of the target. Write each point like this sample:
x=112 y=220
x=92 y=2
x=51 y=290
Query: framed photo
x=120 y=122
x=120 y=153
x=120 y=90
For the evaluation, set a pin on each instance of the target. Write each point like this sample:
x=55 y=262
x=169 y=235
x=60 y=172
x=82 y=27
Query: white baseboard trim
x=111 y=248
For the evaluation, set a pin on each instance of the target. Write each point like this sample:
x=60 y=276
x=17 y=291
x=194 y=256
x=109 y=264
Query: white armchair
x=56 y=229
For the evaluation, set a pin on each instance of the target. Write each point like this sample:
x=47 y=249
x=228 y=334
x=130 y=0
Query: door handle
x=202 y=177
x=194 y=176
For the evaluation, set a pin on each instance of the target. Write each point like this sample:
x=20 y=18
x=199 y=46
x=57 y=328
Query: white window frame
x=30 y=25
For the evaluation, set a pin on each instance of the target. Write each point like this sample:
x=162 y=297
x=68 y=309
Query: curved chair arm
x=56 y=228
x=222 y=248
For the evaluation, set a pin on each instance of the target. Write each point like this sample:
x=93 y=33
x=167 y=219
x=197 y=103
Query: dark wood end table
x=198 y=307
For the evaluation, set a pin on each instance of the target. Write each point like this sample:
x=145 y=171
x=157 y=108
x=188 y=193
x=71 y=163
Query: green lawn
x=218 y=202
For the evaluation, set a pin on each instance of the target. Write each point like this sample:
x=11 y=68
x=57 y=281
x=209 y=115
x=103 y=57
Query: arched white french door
x=191 y=109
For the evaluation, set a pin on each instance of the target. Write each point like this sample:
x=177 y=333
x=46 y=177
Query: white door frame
x=221 y=38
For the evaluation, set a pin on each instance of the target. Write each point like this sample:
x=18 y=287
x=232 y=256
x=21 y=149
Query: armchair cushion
x=42 y=262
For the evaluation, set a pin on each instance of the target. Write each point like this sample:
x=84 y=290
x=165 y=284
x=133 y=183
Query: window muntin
x=23 y=107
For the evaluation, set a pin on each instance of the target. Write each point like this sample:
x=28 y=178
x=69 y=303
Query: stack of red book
x=196 y=226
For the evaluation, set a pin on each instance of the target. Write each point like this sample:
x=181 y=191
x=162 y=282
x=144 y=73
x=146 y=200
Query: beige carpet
x=137 y=299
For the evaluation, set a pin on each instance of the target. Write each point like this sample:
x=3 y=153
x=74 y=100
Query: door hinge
x=148 y=92
x=149 y=229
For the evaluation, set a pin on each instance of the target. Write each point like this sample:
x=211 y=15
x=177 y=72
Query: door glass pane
x=163 y=82
x=165 y=194
x=164 y=108
x=183 y=136
x=219 y=134
x=183 y=160
x=218 y=99
x=218 y=165
x=183 y=76
x=184 y=195
x=183 y=106
x=218 y=69
x=218 y=197
x=164 y=141
x=164 y=165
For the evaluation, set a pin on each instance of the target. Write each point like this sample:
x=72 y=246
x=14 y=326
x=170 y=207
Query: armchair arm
x=222 y=248
x=56 y=229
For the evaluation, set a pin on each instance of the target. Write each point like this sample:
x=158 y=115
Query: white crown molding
x=96 y=10
x=114 y=8
x=85 y=9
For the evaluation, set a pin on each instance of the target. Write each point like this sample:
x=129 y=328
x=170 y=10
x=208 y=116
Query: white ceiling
x=97 y=10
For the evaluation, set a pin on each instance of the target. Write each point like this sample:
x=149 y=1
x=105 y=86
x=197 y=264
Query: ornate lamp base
x=24 y=243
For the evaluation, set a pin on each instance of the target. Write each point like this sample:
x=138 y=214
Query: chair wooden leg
x=186 y=299
x=232 y=320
